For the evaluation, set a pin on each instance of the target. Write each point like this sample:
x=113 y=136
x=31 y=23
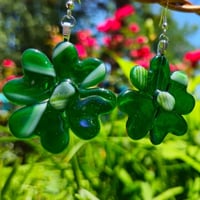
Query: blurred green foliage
x=109 y=167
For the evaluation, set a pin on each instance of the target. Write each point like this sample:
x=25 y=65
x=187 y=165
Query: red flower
x=107 y=41
x=134 y=27
x=193 y=57
x=82 y=53
x=83 y=34
x=143 y=62
x=129 y=42
x=110 y=25
x=173 y=67
x=141 y=39
x=134 y=53
x=124 y=11
x=8 y=63
x=144 y=51
x=85 y=38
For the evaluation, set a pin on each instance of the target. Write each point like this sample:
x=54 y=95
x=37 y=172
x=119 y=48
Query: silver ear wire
x=163 y=39
x=68 y=21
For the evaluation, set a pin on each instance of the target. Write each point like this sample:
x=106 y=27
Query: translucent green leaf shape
x=37 y=62
x=85 y=73
x=167 y=122
x=21 y=92
x=84 y=112
x=24 y=121
x=35 y=86
x=184 y=101
x=54 y=131
x=141 y=111
x=159 y=74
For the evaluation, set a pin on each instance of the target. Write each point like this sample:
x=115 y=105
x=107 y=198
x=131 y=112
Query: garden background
x=111 y=166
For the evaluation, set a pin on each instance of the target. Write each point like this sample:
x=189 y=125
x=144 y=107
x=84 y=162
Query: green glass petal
x=85 y=126
x=132 y=100
x=83 y=118
x=65 y=59
x=54 y=132
x=140 y=110
x=139 y=77
x=84 y=113
x=21 y=92
x=159 y=74
x=24 y=121
x=167 y=122
x=61 y=95
x=90 y=72
x=184 y=102
x=165 y=100
x=35 y=61
x=99 y=98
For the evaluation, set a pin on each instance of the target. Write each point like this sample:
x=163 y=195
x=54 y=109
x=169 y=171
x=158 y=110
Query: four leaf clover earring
x=160 y=100
x=59 y=95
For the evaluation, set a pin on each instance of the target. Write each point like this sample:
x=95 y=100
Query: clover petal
x=35 y=86
x=21 y=92
x=141 y=112
x=95 y=72
x=166 y=122
x=23 y=122
x=65 y=59
x=37 y=62
x=184 y=101
x=87 y=72
x=84 y=112
x=54 y=131
x=159 y=74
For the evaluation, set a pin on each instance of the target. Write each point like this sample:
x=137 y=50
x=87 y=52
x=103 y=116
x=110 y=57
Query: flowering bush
x=86 y=44
x=193 y=57
x=123 y=36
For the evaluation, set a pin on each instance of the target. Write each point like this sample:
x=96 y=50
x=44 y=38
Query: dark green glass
x=158 y=104
x=58 y=96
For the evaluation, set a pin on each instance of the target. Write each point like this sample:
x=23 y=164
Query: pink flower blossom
x=193 y=57
x=129 y=42
x=107 y=40
x=144 y=51
x=8 y=63
x=124 y=11
x=83 y=34
x=143 y=62
x=11 y=77
x=110 y=25
x=134 y=53
x=82 y=53
x=85 y=38
x=134 y=27
x=141 y=39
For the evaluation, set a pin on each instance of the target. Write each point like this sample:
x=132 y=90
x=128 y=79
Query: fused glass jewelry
x=160 y=101
x=57 y=96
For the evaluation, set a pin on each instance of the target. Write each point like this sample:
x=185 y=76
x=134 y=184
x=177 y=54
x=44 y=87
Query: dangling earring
x=161 y=99
x=57 y=96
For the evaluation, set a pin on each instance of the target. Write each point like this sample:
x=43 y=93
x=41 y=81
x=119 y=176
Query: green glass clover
x=158 y=104
x=57 y=96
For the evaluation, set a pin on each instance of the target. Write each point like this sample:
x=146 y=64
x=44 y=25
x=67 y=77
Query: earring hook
x=68 y=21
x=163 y=39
